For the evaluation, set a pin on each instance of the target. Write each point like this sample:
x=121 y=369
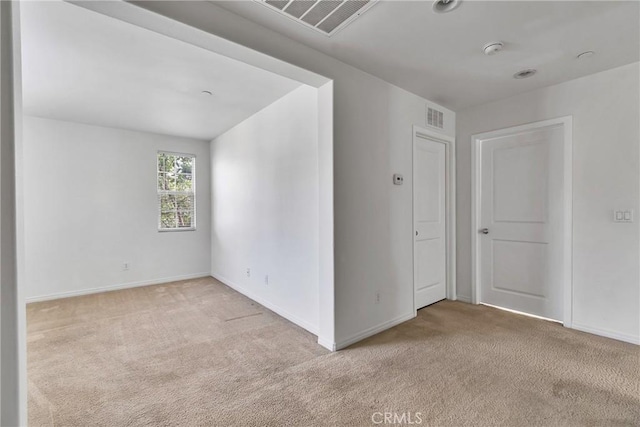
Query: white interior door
x=521 y=222
x=429 y=193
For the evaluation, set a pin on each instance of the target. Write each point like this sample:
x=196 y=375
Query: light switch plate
x=621 y=215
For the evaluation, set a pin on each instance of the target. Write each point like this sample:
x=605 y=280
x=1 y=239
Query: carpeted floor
x=196 y=353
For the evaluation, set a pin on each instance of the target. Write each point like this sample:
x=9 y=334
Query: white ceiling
x=439 y=56
x=82 y=66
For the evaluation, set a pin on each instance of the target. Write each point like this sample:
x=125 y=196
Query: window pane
x=168 y=220
x=183 y=182
x=166 y=162
x=172 y=182
x=184 y=219
x=167 y=203
x=162 y=181
x=185 y=164
x=184 y=203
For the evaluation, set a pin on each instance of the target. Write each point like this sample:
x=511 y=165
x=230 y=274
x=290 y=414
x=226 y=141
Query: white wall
x=265 y=207
x=372 y=140
x=606 y=176
x=326 y=327
x=91 y=205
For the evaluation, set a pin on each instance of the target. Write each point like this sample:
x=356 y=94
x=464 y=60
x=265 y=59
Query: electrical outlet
x=126 y=266
x=248 y=272
x=377 y=297
x=266 y=279
x=623 y=215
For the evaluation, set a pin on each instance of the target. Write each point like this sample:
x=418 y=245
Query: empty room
x=318 y=212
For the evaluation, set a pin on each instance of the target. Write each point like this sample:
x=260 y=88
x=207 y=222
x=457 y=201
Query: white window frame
x=192 y=192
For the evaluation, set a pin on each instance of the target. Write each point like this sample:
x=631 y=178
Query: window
x=176 y=191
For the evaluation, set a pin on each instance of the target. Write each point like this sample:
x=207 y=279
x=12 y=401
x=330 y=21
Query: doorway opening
x=127 y=150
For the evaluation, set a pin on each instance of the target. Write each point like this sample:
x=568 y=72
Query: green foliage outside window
x=176 y=195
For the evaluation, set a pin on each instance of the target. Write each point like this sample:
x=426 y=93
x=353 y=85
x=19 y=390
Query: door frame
x=13 y=338
x=450 y=207
x=476 y=181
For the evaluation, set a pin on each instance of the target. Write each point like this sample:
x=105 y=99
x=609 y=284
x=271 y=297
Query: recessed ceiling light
x=492 y=48
x=444 y=6
x=587 y=54
x=207 y=92
x=524 y=73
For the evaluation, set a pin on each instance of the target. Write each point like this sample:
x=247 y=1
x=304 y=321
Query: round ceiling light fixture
x=444 y=6
x=585 y=55
x=524 y=73
x=492 y=48
x=207 y=92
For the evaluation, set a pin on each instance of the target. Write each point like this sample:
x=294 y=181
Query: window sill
x=171 y=230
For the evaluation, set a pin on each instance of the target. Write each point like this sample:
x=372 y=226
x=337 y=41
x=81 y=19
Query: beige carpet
x=196 y=353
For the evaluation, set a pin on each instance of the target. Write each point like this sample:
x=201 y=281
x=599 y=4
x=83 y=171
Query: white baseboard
x=276 y=309
x=374 y=330
x=607 y=333
x=329 y=345
x=89 y=291
x=463 y=298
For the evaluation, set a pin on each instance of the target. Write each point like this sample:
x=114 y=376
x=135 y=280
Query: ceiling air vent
x=325 y=16
x=435 y=118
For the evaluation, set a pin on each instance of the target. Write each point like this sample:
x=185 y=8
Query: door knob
x=485 y=231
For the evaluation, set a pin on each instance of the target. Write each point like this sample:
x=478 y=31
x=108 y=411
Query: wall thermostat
x=398 y=179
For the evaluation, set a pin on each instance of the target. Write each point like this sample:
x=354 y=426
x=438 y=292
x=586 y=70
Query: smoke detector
x=492 y=48
x=444 y=6
x=524 y=73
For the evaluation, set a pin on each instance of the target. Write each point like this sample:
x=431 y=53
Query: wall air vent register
x=325 y=16
x=435 y=118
